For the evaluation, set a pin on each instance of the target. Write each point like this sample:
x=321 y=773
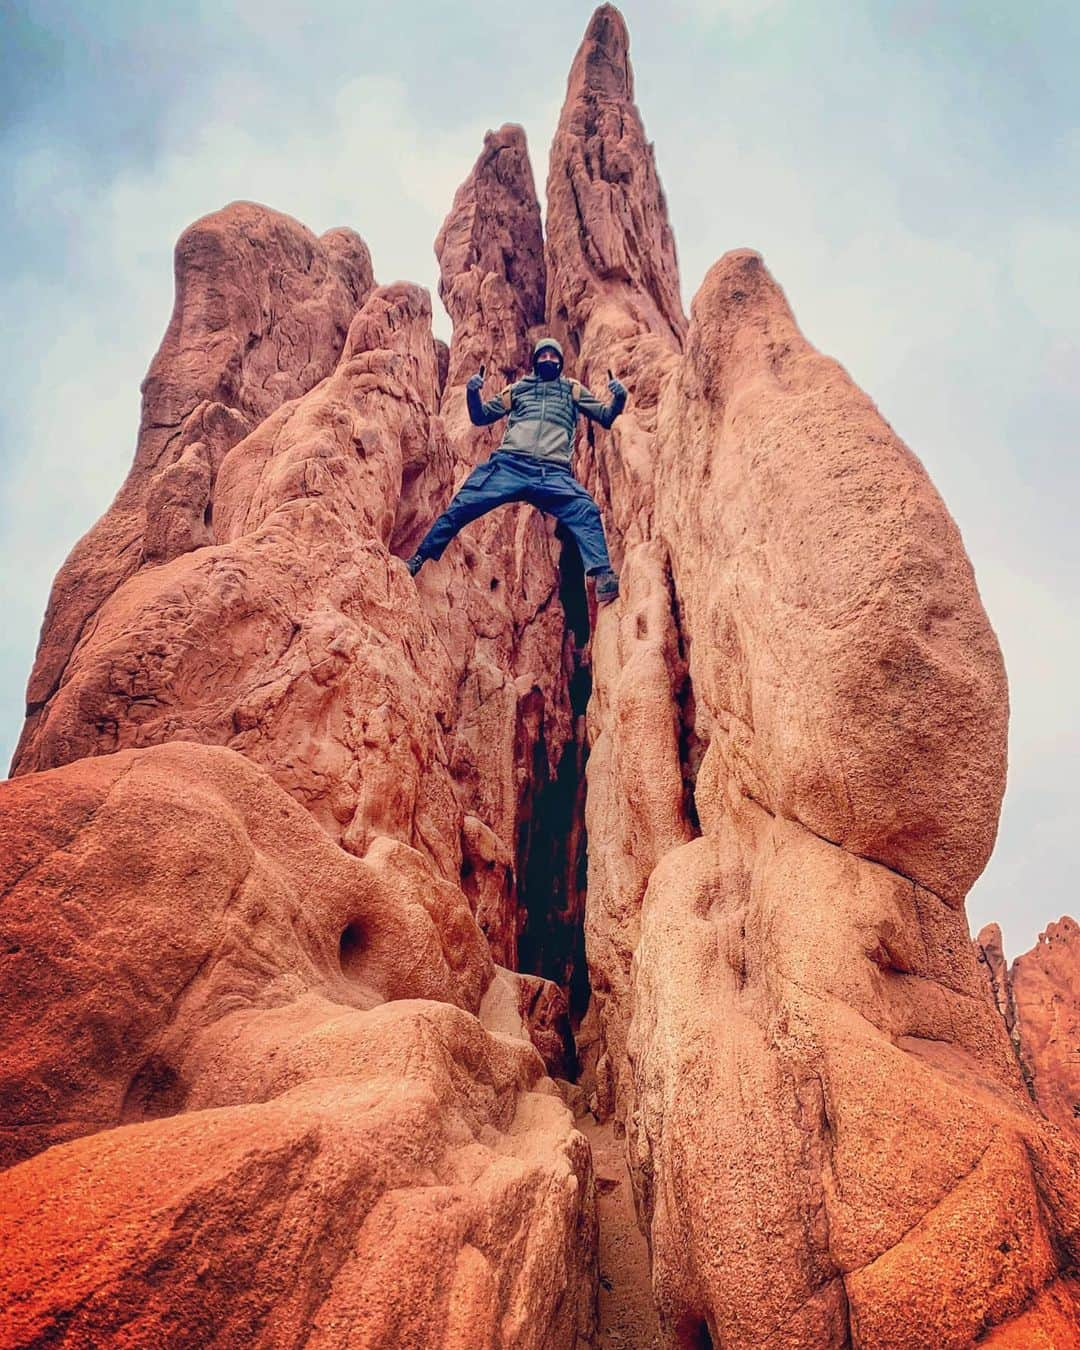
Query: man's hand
x=616 y=386
x=476 y=382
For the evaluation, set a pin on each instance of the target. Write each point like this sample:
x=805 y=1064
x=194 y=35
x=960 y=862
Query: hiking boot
x=414 y=564
x=607 y=587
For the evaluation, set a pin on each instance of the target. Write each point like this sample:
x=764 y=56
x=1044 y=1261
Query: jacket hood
x=547 y=342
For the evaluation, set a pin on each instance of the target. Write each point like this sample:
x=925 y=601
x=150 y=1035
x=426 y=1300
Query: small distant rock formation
x=329 y=898
x=1038 y=997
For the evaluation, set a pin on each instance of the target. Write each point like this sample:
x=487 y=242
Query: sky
x=910 y=171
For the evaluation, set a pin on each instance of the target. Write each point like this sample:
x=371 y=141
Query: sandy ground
x=627 y=1316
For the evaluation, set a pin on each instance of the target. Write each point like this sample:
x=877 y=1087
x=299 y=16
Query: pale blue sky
x=911 y=172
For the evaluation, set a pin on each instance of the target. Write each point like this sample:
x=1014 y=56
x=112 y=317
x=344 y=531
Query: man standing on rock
x=533 y=462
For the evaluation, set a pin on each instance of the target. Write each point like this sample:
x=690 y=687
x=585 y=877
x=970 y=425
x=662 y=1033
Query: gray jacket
x=543 y=415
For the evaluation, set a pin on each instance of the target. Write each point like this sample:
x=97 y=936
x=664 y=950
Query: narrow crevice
x=692 y=747
x=1006 y=1006
x=551 y=855
x=551 y=845
x=1015 y=1040
x=627 y=1310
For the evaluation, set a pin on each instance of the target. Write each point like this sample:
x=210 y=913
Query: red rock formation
x=613 y=297
x=491 y=267
x=495 y=594
x=279 y=806
x=262 y=307
x=819 y=1102
x=207 y=871
x=990 y=956
x=303 y=510
x=613 y=283
x=1039 y=999
x=295 y=639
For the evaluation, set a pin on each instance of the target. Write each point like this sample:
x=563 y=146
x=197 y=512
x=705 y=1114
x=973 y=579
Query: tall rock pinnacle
x=613 y=282
x=491 y=262
x=610 y=246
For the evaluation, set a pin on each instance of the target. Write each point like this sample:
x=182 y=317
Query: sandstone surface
x=314 y=876
x=1045 y=986
x=256 y=1060
x=295 y=639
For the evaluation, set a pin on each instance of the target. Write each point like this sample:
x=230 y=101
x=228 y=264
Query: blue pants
x=507 y=477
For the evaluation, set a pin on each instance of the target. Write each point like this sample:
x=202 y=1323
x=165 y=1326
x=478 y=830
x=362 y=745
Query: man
x=533 y=462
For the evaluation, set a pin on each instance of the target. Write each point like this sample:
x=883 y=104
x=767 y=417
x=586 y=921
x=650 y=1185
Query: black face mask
x=547 y=370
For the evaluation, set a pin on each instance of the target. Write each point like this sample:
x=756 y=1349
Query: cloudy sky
x=909 y=169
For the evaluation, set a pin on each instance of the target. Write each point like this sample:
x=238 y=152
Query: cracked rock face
x=297 y=909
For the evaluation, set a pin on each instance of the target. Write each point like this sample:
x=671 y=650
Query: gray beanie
x=547 y=342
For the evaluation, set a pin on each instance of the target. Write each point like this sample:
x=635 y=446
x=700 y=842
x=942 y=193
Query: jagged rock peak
x=491 y=270
x=494 y=225
x=991 y=956
x=602 y=65
x=1066 y=932
x=607 y=221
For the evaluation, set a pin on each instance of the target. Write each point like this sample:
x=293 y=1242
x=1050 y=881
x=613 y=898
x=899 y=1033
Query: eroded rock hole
x=692 y=1333
x=351 y=950
x=155 y=1091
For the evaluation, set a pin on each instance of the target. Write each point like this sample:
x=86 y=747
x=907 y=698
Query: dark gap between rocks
x=691 y=746
x=552 y=878
x=552 y=848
